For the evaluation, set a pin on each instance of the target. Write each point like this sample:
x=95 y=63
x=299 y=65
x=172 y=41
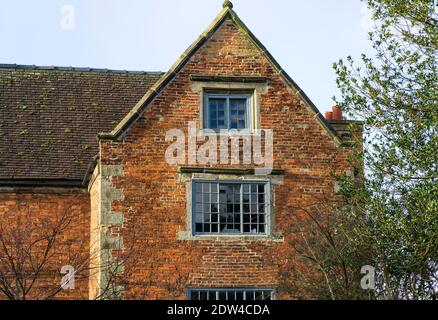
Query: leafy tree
x=327 y=257
x=395 y=94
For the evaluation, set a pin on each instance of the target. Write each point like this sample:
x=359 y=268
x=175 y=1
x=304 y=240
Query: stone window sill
x=231 y=133
x=188 y=236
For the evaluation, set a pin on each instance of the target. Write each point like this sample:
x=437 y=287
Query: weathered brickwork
x=154 y=202
x=34 y=213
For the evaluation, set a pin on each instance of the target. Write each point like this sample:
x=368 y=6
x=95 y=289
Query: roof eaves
x=40 y=183
x=91 y=166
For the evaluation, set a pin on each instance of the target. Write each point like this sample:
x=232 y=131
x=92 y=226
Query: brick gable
x=154 y=201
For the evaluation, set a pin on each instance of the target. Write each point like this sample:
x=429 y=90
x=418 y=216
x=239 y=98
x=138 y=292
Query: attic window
x=229 y=102
x=227 y=111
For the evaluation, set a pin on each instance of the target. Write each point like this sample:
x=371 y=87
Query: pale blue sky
x=305 y=37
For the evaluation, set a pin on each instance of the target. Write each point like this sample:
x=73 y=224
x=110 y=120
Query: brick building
x=152 y=224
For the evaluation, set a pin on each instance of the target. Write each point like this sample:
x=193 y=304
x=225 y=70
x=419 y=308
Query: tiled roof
x=50 y=117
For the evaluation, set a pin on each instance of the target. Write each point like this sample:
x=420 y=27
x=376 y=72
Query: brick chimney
x=346 y=129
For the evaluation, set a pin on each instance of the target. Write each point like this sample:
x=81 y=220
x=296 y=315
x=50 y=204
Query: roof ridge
x=74 y=69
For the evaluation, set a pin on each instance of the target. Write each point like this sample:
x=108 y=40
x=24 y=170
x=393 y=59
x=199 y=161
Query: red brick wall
x=154 y=201
x=34 y=214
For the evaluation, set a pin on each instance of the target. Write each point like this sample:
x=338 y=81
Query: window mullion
x=227 y=106
x=241 y=208
x=203 y=208
x=268 y=208
x=247 y=116
x=207 y=113
x=218 y=208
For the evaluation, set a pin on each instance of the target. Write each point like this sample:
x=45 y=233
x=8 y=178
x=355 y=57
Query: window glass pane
x=239 y=295
x=261 y=188
x=216 y=109
x=261 y=218
x=231 y=296
x=233 y=121
x=205 y=187
x=258 y=295
x=203 y=295
x=249 y=295
x=238 y=113
x=214 y=198
x=212 y=295
x=261 y=198
x=195 y=295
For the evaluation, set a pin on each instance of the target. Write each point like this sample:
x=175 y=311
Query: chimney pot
x=337 y=113
x=329 y=116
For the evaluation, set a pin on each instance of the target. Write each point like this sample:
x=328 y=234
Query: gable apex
x=226 y=13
